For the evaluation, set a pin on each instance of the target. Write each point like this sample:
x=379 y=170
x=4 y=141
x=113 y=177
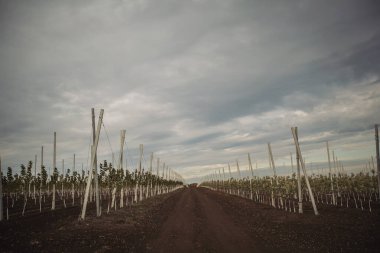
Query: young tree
x=10 y=175
x=28 y=176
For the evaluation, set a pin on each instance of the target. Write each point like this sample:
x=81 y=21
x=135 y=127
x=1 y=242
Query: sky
x=199 y=83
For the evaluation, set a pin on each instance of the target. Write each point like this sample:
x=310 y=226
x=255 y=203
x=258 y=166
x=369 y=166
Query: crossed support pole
x=93 y=166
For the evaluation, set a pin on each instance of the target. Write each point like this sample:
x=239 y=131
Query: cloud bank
x=199 y=83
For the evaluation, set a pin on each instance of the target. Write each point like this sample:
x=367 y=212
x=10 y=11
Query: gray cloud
x=200 y=83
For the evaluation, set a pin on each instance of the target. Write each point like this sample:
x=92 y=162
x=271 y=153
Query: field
x=195 y=219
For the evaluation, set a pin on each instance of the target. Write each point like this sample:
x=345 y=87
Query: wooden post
x=122 y=140
x=150 y=183
x=96 y=181
x=291 y=162
x=93 y=164
x=35 y=174
x=299 y=186
x=141 y=156
x=377 y=155
x=250 y=181
x=295 y=137
x=63 y=175
x=42 y=164
x=224 y=179
x=158 y=176
x=1 y=192
x=54 y=166
x=73 y=186
x=151 y=163
x=238 y=169
x=229 y=180
x=271 y=160
x=140 y=168
x=271 y=164
x=330 y=174
x=334 y=160
x=250 y=164
x=158 y=167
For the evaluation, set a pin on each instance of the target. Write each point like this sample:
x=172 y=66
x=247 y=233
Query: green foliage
x=10 y=175
x=44 y=175
x=23 y=171
x=54 y=177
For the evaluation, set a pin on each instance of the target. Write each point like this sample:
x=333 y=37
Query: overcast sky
x=199 y=83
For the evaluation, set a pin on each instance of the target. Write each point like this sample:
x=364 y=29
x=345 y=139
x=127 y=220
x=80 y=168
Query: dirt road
x=199 y=224
x=195 y=220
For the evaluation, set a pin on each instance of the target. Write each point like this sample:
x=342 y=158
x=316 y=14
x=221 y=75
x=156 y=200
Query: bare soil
x=194 y=220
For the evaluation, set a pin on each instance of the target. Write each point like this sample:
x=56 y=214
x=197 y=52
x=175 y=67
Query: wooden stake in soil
x=330 y=174
x=377 y=155
x=291 y=162
x=120 y=167
x=238 y=168
x=299 y=186
x=250 y=165
x=1 y=192
x=93 y=164
x=271 y=161
x=35 y=174
x=54 y=166
x=295 y=137
x=97 y=200
x=63 y=176
x=42 y=165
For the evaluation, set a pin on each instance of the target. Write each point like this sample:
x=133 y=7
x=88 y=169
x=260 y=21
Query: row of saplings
x=350 y=191
x=26 y=193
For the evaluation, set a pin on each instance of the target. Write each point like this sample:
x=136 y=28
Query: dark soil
x=194 y=220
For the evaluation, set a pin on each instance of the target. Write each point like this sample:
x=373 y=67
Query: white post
x=1 y=192
x=93 y=164
x=271 y=160
x=122 y=139
x=295 y=137
x=229 y=170
x=35 y=174
x=42 y=164
x=140 y=169
x=73 y=186
x=54 y=166
x=238 y=169
x=158 y=176
x=330 y=174
x=150 y=184
x=229 y=180
x=299 y=186
x=291 y=162
x=63 y=175
x=250 y=181
x=377 y=156
x=224 y=180
x=95 y=168
x=250 y=164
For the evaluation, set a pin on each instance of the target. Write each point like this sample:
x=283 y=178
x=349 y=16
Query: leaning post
x=377 y=155
x=295 y=137
x=93 y=164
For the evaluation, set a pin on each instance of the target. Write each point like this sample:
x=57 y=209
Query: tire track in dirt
x=199 y=224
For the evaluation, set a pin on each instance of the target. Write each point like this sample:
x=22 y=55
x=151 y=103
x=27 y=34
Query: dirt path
x=199 y=224
x=194 y=220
